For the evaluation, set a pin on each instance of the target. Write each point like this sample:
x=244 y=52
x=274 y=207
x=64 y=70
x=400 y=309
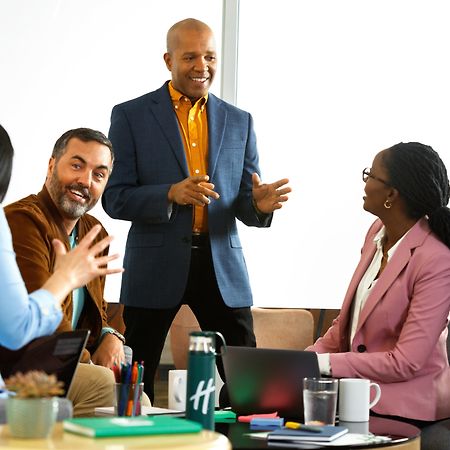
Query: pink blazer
x=400 y=341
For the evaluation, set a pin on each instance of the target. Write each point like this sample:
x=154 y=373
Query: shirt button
x=361 y=348
x=194 y=144
x=176 y=106
x=197 y=171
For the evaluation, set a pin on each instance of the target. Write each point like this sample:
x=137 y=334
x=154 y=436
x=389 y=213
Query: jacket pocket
x=235 y=242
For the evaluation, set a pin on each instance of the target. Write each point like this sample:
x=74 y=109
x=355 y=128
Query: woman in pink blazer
x=392 y=327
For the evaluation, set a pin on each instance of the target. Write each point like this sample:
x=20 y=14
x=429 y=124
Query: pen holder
x=128 y=399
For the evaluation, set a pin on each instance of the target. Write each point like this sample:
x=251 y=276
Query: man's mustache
x=83 y=190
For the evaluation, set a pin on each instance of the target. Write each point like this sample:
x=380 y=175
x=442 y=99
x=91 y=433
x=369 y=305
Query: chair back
x=286 y=328
x=290 y=328
x=183 y=324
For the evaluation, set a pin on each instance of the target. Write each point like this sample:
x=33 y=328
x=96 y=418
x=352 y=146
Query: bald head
x=176 y=30
x=191 y=58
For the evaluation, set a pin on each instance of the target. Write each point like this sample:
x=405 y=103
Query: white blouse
x=363 y=291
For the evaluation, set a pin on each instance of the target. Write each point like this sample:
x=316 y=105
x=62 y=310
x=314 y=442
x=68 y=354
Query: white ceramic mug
x=177 y=389
x=354 y=399
x=355 y=427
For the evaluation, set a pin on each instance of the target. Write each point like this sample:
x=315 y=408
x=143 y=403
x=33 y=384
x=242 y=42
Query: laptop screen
x=57 y=354
x=261 y=380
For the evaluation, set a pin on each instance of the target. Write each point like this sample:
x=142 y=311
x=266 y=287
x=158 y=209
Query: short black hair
x=83 y=134
x=6 y=161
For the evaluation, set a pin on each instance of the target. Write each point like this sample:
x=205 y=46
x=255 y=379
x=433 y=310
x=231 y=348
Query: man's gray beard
x=70 y=208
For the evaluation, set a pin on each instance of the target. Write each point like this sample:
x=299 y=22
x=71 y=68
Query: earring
x=387 y=204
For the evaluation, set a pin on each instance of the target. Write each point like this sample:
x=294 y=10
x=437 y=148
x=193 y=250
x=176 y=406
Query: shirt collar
x=378 y=240
x=179 y=98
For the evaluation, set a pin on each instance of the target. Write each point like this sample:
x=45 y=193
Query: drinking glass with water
x=319 y=400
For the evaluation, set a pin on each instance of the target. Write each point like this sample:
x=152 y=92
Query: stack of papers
x=145 y=411
x=348 y=439
x=331 y=436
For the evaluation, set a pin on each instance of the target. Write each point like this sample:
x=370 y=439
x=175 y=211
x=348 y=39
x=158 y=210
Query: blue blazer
x=149 y=158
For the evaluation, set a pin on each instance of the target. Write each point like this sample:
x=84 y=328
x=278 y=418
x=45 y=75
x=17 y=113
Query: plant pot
x=31 y=417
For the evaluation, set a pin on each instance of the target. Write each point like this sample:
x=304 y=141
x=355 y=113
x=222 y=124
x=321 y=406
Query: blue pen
x=123 y=397
x=142 y=372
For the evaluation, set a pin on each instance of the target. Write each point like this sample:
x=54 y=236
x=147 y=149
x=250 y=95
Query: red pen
x=132 y=388
x=116 y=371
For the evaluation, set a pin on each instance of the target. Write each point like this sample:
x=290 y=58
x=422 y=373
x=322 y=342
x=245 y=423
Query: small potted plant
x=32 y=407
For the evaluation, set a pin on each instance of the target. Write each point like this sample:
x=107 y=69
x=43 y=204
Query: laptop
x=56 y=354
x=261 y=380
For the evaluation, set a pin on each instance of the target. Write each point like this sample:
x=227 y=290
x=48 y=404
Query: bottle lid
x=202 y=341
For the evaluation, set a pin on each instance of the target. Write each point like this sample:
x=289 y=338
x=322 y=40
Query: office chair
x=183 y=324
x=289 y=328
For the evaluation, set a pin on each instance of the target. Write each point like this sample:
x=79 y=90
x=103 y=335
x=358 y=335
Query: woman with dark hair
x=392 y=327
x=24 y=316
x=6 y=158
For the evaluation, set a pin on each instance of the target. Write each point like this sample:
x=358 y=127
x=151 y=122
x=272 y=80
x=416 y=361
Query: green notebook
x=129 y=426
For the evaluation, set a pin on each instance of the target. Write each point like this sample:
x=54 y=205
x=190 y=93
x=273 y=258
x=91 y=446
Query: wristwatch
x=115 y=333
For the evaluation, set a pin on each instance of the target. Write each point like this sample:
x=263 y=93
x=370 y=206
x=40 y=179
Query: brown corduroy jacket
x=35 y=222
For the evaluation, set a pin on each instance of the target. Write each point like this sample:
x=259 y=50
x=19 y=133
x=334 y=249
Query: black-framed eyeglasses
x=366 y=175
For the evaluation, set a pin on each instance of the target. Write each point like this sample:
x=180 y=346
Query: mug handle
x=224 y=344
x=177 y=392
x=377 y=394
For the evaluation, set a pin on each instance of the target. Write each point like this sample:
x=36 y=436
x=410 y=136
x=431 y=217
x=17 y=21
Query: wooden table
x=61 y=440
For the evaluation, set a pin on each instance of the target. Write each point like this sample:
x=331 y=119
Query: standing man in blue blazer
x=186 y=167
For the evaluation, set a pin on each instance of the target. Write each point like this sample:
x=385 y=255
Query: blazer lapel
x=366 y=258
x=217 y=117
x=399 y=261
x=160 y=106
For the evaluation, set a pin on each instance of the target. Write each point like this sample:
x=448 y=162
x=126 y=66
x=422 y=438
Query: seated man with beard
x=77 y=173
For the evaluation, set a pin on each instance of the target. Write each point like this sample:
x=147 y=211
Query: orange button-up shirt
x=193 y=123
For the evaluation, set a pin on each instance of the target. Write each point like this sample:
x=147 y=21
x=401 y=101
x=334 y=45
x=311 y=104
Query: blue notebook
x=327 y=433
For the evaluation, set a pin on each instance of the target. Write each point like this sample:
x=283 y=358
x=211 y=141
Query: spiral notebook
x=327 y=433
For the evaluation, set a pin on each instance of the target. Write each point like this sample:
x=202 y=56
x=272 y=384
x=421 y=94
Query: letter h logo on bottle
x=201 y=390
x=203 y=394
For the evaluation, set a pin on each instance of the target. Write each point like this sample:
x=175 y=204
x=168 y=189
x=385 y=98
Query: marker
x=137 y=389
x=116 y=371
x=300 y=426
x=266 y=422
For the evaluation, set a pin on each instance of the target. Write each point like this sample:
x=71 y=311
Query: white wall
x=66 y=63
x=330 y=83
